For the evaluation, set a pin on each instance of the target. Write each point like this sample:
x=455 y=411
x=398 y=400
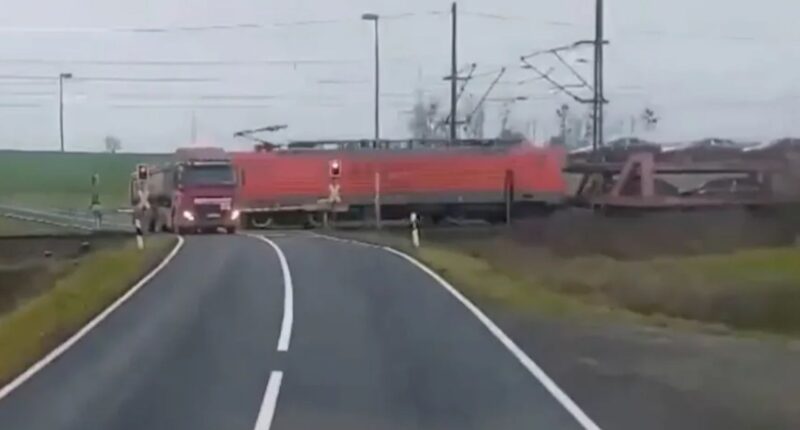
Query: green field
x=63 y=180
x=13 y=227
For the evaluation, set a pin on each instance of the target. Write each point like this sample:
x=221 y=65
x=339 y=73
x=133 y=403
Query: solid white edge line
x=62 y=348
x=270 y=401
x=515 y=350
x=285 y=336
x=527 y=362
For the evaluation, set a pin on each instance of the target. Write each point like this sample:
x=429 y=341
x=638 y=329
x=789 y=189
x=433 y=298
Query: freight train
x=493 y=180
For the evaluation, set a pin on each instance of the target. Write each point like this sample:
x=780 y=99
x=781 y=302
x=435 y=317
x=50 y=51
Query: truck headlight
x=235 y=214
x=188 y=215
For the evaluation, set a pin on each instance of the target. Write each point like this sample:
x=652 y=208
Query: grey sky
x=710 y=67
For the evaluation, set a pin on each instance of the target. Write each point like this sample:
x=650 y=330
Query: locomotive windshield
x=212 y=174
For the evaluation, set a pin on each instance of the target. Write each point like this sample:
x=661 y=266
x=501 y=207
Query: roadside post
x=377 y=200
x=414 y=220
x=508 y=191
x=94 y=206
x=143 y=206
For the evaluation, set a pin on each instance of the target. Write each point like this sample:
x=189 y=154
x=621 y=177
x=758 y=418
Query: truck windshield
x=208 y=175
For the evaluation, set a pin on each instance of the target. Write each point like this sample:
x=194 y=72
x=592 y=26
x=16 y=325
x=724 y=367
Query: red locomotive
x=484 y=179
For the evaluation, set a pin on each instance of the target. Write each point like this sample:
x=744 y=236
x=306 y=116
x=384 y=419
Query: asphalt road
x=355 y=338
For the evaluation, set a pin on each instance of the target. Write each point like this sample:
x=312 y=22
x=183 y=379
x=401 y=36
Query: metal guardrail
x=76 y=221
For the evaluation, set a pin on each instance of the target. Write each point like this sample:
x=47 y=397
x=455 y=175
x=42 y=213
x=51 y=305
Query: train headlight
x=188 y=215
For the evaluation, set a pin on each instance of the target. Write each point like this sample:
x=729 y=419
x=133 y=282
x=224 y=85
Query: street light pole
x=374 y=17
x=453 y=73
x=61 y=78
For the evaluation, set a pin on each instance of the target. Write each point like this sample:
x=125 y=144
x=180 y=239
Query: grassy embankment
x=13 y=227
x=93 y=282
x=63 y=180
x=750 y=290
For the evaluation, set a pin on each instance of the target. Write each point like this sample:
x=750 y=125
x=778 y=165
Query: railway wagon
x=487 y=182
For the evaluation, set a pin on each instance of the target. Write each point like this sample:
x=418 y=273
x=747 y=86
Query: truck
x=194 y=192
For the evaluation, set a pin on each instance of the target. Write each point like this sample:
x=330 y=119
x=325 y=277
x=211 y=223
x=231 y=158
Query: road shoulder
x=45 y=326
x=627 y=375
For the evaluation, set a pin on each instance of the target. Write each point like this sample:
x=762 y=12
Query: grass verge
x=13 y=227
x=34 y=328
x=752 y=291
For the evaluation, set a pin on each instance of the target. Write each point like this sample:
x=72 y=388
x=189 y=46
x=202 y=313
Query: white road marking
x=341 y=240
x=515 y=350
x=288 y=297
x=268 y=405
x=60 y=349
x=527 y=362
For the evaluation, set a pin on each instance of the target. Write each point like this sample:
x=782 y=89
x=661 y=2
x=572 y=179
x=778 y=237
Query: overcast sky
x=725 y=68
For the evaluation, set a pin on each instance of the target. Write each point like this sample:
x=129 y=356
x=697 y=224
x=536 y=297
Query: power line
x=732 y=37
x=19 y=105
x=106 y=78
x=213 y=27
x=136 y=79
x=160 y=63
x=186 y=106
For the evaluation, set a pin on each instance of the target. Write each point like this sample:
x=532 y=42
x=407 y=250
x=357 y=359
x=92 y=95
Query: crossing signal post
x=143 y=207
x=142 y=172
x=94 y=205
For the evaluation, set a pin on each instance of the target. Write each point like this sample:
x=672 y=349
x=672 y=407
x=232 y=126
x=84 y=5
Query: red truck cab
x=195 y=192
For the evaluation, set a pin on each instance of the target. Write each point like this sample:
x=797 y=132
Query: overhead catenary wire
x=217 y=27
x=106 y=78
x=188 y=106
x=161 y=63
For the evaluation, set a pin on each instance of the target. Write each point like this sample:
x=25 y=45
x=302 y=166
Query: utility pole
x=454 y=77
x=599 y=97
x=61 y=78
x=374 y=18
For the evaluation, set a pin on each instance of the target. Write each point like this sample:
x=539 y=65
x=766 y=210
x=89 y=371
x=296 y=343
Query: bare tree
x=563 y=116
x=426 y=121
x=475 y=119
x=649 y=119
x=507 y=132
x=113 y=144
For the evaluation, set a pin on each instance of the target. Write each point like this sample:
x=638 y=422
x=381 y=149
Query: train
x=307 y=181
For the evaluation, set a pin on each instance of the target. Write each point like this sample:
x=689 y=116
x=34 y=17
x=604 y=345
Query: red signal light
x=335 y=168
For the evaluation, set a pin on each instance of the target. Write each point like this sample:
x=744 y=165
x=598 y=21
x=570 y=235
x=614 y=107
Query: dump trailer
x=192 y=193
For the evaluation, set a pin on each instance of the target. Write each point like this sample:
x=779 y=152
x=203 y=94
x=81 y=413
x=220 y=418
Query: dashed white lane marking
x=270 y=401
x=288 y=297
x=60 y=349
x=561 y=397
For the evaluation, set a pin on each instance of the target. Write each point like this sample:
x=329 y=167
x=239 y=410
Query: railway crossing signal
x=335 y=167
x=142 y=172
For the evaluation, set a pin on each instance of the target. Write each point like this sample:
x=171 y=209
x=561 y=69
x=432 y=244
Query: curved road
x=293 y=332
